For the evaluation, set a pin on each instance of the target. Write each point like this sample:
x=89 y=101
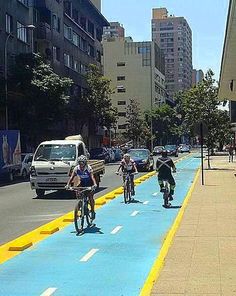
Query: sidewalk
x=202 y=258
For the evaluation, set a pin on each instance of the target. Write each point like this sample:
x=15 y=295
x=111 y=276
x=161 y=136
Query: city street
x=104 y=252
x=21 y=211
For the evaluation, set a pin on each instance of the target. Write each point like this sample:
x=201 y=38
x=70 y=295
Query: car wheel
x=40 y=192
x=24 y=174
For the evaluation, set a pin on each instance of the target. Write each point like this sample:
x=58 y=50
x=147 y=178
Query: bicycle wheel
x=126 y=192
x=88 y=215
x=79 y=217
x=129 y=192
x=165 y=197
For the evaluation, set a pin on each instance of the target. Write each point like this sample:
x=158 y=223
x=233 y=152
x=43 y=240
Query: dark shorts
x=170 y=179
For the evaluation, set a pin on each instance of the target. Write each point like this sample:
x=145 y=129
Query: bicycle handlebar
x=126 y=173
x=80 y=189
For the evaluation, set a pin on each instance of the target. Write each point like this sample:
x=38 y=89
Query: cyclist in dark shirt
x=164 y=167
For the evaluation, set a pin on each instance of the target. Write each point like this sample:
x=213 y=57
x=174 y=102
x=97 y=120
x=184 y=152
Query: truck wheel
x=24 y=174
x=40 y=192
x=11 y=176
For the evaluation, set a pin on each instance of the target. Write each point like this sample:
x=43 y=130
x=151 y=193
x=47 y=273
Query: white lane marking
x=49 y=292
x=89 y=255
x=116 y=229
x=134 y=213
x=146 y=202
x=154 y=194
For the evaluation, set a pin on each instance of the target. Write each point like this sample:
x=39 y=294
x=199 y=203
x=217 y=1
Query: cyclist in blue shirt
x=84 y=173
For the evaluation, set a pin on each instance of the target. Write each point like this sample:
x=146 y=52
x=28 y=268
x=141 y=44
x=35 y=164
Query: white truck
x=54 y=161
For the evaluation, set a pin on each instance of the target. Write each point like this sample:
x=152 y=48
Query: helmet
x=126 y=155
x=164 y=153
x=82 y=159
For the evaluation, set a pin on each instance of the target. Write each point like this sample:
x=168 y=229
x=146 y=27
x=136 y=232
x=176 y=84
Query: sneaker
x=132 y=192
x=93 y=215
x=170 y=197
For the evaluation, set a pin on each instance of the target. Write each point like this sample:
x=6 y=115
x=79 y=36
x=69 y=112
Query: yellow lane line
x=158 y=264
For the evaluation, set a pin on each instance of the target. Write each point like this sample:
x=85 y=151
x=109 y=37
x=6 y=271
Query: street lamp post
x=30 y=27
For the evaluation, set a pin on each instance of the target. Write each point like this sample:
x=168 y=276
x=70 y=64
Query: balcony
x=43 y=31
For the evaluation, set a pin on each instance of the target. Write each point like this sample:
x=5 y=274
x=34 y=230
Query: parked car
x=172 y=150
x=142 y=158
x=157 y=150
x=118 y=154
x=100 y=153
x=26 y=159
x=111 y=155
x=184 y=148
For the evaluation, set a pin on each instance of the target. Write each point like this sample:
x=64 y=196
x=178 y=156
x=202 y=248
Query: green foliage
x=164 y=124
x=137 y=128
x=98 y=97
x=200 y=103
x=39 y=99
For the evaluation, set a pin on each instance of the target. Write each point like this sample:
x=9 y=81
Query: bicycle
x=166 y=194
x=127 y=186
x=82 y=211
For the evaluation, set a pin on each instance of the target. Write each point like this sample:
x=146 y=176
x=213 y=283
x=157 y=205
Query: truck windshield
x=55 y=152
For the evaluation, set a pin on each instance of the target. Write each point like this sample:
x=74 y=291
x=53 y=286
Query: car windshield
x=54 y=152
x=138 y=153
x=170 y=147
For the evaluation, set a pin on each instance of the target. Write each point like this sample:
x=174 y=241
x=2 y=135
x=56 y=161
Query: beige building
x=174 y=36
x=136 y=70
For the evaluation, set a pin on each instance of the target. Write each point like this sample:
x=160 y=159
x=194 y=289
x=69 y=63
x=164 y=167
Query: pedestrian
x=231 y=153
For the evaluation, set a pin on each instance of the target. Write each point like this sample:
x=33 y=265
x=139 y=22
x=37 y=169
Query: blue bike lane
x=113 y=258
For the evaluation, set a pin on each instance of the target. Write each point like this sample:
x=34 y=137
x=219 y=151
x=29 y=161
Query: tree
x=137 y=128
x=98 y=98
x=201 y=103
x=39 y=100
x=164 y=124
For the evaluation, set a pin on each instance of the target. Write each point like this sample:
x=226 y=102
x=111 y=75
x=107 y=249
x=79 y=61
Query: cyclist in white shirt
x=128 y=165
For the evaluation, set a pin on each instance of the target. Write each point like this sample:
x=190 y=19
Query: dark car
x=100 y=153
x=142 y=158
x=172 y=150
x=157 y=150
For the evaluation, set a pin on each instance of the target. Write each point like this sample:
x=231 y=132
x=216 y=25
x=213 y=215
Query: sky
x=207 y=19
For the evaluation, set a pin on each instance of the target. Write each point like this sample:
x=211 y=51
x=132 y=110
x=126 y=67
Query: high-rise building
x=67 y=34
x=114 y=30
x=174 y=36
x=197 y=76
x=136 y=70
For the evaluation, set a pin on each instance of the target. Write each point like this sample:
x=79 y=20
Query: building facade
x=136 y=70
x=115 y=29
x=67 y=34
x=174 y=36
x=197 y=76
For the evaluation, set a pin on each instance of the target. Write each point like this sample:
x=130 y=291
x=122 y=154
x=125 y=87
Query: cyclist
x=127 y=165
x=84 y=172
x=164 y=165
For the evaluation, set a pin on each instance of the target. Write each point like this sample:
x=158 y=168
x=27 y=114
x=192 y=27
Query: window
x=25 y=2
x=122 y=114
x=121 y=103
x=99 y=59
x=83 y=22
x=91 y=51
x=68 y=7
x=56 y=53
x=83 y=68
x=144 y=49
x=120 y=64
x=83 y=44
x=91 y=28
x=99 y=34
x=9 y=23
x=122 y=126
x=66 y=60
x=119 y=78
x=76 y=66
x=67 y=32
x=121 y=89
x=56 y=23
x=75 y=15
x=22 y=32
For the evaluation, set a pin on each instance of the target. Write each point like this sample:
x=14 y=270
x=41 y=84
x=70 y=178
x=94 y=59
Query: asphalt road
x=21 y=211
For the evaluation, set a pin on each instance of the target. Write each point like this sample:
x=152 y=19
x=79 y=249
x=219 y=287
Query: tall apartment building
x=67 y=34
x=197 y=76
x=115 y=29
x=136 y=70
x=174 y=36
